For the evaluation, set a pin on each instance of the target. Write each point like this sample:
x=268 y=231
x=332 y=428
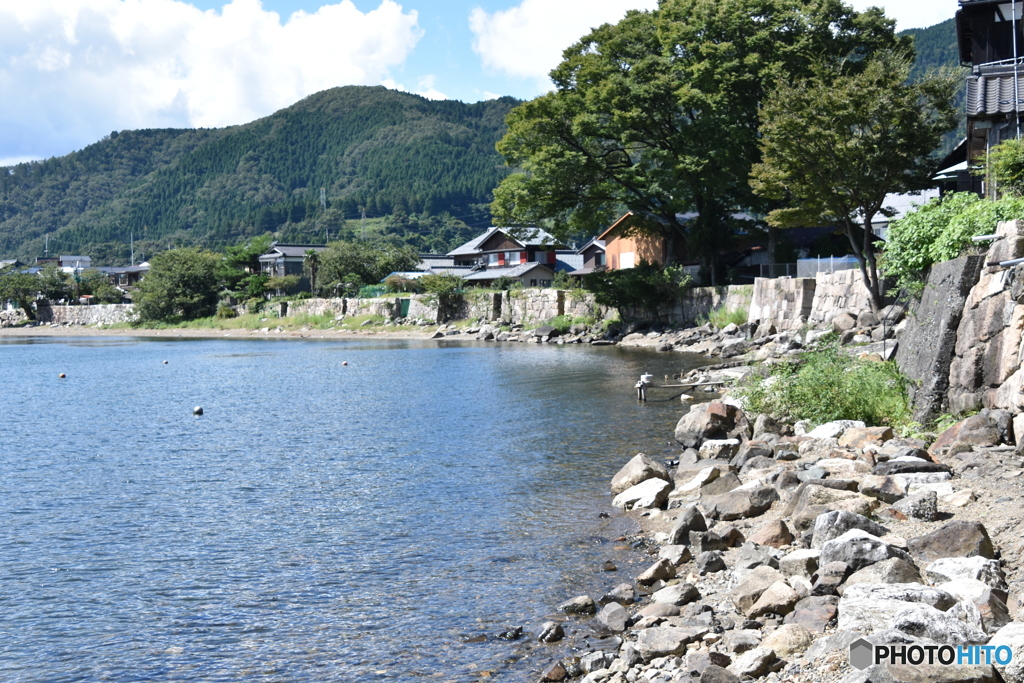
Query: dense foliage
x=640 y=291
x=830 y=384
x=658 y=114
x=941 y=230
x=432 y=165
x=345 y=267
x=182 y=284
x=1006 y=167
x=837 y=143
x=937 y=49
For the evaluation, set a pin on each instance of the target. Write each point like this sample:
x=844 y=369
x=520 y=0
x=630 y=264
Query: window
x=599 y=259
x=627 y=259
x=511 y=257
x=545 y=283
x=492 y=259
x=533 y=282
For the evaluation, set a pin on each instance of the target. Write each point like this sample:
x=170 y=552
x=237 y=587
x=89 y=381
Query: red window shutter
x=522 y=257
x=501 y=259
x=551 y=258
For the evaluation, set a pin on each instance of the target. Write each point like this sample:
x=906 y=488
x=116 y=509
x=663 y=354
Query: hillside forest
x=347 y=163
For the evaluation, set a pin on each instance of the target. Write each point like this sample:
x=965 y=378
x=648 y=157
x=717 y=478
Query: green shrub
x=372 y=291
x=224 y=312
x=941 y=230
x=562 y=323
x=828 y=384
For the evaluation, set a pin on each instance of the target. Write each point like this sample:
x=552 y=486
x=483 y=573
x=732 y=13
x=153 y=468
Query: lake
x=321 y=521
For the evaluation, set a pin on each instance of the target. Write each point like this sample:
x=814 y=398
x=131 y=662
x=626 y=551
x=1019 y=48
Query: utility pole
x=131 y=239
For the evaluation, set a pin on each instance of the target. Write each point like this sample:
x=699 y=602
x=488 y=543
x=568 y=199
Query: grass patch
x=828 y=384
x=721 y=317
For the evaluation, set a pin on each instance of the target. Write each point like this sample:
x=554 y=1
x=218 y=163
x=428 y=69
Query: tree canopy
x=182 y=284
x=658 y=114
x=836 y=143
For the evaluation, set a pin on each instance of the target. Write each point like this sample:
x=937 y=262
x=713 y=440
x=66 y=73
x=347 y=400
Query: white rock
x=835 y=429
x=651 y=493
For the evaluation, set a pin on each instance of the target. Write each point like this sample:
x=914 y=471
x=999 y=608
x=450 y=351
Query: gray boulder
x=991 y=608
x=858 y=549
x=893 y=570
x=954 y=539
x=690 y=519
x=663 y=641
x=741 y=504
x=582 y=604
x=924 y=505
x=831 y=525
x=639 y=469
x=980 y=568
x=754 y=584
x=871 y=607
x=1011 y=636
x=677 y=594
x=651 y=493
x=613 y=618
x=924 y=621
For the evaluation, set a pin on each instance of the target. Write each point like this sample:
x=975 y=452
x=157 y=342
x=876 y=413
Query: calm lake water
x=319 y=522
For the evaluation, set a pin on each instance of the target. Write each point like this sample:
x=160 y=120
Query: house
x=529 y=256
x=507 y=247
x=287 y=259
x=73 y=263
x=125 y=276
x=594 y=258
x=990 y=38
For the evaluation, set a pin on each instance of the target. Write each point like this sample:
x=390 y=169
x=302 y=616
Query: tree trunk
x=865 y=255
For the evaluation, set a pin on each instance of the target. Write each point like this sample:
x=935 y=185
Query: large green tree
x=658 y=114
x=19 y=287
x=362 y=263
x=182 y=284
x=836 y=143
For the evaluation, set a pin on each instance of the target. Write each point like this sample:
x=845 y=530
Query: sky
x=73 y=71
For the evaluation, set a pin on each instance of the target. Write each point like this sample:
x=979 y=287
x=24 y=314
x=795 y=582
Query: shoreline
x=191 y=333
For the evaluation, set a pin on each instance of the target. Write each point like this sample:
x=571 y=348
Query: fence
x=770 y=270
x=809 y=267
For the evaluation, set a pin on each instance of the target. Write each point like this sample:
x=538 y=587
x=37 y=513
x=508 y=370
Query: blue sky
x=72 y=71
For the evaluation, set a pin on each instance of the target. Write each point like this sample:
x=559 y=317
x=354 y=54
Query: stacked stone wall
x=784 y=303
x=840 y=292
x=106 y=314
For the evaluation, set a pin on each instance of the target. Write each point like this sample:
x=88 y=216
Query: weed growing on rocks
x=828 y=384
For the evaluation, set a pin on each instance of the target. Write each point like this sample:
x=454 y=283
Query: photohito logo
x=863 y=654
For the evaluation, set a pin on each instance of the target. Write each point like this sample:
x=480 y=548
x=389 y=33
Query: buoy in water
x=344 y=362
x=62 y=375
x=165 y=362
x=198 y=410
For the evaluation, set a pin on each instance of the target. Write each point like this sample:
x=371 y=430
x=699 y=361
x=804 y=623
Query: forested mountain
x=421 y=170
x=371 y=149
x=936 y=49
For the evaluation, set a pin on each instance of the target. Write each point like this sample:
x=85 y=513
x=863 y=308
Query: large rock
x=871 y=607
x=924 y=505
x=834 y=429
x=639 y=469
x=754 y=584
x=582 y=604
x=789 y=639
x=1011 y=636
x=753 y=663
x=690 y=519
x=893 y=570
x=814 y=613
x=924 y=621
x=613 y=618
x=867 y=436
x=776 y=534
x=810 y=500
x=803 y=562
x=677 y=594
x=977 y=430
x=831 y=525
x=651 y=493
x=979 y=568
x=991 y=607
x=954 y=539
x=741 y=504
x=662 y=570
x=928 y=340
x=778 y=599
x=714 y=420
x=858 y=549
x=663 y=641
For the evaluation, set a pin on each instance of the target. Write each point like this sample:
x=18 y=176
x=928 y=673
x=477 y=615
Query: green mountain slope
x=937 y=49
x=370 y=148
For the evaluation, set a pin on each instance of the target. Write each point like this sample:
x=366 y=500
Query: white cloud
x=527 y=40
x=424 y=87
x=76 y=69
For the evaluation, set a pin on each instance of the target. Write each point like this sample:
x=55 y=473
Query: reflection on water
x=320 y=522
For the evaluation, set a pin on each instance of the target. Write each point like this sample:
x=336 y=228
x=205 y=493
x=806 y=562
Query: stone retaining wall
x=785 y=303
x=840 y=292
x=107 y=314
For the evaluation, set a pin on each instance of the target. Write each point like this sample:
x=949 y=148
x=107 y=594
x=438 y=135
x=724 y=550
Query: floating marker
x=344 y=362
x=198 y=410
x=62 y=375
x=165 y=362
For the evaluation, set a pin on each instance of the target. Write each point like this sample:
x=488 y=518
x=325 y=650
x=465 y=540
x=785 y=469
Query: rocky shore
x=773 y=547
